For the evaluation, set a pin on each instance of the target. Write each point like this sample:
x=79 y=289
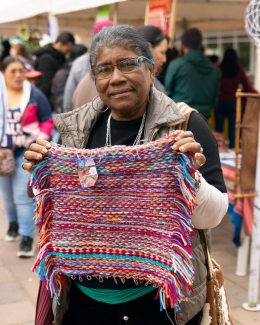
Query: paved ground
x=18 y=285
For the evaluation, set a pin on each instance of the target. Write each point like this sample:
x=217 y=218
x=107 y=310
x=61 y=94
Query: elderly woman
x=128 y=110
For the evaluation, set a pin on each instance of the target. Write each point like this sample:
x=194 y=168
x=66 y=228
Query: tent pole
x=172 y=24
x=115 y=13
x=54 y=27
x=147 y=7
x=252 y=304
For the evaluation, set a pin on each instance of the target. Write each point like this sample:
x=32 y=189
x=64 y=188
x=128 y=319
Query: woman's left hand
x=185 y=142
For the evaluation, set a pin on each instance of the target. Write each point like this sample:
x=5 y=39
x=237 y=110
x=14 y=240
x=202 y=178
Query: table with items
x=241 y=211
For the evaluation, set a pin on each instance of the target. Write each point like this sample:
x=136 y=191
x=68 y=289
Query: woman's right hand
x=35 y=154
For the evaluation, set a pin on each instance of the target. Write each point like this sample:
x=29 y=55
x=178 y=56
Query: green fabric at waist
x=110 y=296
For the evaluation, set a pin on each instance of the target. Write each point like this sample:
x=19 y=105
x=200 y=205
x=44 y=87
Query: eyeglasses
x=125 y=66
x=14 y=71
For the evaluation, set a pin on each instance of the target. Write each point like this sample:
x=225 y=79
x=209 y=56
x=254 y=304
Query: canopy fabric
x=64 y=6
x=13 y=10
x=78 y=16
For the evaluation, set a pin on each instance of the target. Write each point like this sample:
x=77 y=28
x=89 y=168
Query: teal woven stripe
x=102 y=256
x=113 y=297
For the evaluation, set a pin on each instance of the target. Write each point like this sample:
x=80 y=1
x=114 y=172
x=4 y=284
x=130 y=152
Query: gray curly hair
x=120 y=35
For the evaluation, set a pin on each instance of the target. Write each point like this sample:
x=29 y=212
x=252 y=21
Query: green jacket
x=194 y=80
x=163 y=116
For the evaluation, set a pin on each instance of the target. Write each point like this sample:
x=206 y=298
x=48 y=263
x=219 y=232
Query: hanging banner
x=103 y=13
x=158 y=14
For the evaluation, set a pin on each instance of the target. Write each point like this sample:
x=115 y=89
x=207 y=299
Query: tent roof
x=207 y=15
x=13 y=10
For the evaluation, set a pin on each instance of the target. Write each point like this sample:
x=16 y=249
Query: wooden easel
x=239 y=95
x=252 y=303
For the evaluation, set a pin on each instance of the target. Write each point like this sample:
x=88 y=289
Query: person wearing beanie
x=80 y=68
x=193 y=79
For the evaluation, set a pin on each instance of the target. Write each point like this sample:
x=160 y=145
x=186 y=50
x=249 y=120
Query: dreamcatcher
x=252 y=21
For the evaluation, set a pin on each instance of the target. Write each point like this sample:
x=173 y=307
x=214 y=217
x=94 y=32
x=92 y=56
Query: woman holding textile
x=128 y=110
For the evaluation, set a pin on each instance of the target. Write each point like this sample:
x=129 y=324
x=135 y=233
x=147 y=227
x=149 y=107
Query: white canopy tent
x=13 y=10
x=205 y=14
x=218 y=19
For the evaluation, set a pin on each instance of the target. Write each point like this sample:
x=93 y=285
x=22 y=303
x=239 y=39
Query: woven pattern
x=133 y=223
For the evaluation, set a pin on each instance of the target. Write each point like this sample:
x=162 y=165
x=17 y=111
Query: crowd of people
x=124 y=74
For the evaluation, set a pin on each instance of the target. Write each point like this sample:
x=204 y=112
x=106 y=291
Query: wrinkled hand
x=185 y=142
x=35 y=154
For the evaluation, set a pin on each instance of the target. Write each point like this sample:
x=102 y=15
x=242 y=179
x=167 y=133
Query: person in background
x=232 y=77
x=159 y=44
x=29 y=118
x=81 y=96
x=50 y=59
x=214 y=59
x=81 y=68
x=171 y=54
x=6 y=50
x=3 y=107
x=61 y=77
x=20 y=50
x=193 y=79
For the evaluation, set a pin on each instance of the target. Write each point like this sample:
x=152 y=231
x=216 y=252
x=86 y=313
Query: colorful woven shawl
x=134 y=222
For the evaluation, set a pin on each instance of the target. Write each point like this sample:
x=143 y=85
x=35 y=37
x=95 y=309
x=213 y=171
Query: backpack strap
x=186 y=111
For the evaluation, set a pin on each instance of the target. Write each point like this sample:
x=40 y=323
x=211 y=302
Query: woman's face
x=14 y=75
x=125 y=94
x=159 y=53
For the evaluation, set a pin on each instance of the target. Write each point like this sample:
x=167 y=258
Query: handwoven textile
x=134 y=222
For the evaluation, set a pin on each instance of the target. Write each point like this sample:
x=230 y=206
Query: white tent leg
x=242 y=257
x=54 y=27
x=252 y=304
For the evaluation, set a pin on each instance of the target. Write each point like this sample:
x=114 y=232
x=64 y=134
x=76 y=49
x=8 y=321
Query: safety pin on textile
x=91 y=156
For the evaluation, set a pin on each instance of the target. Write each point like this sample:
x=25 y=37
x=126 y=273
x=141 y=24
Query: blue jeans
x=223 y=110
x=18 y=206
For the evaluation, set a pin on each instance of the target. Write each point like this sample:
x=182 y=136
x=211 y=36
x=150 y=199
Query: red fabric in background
x=229 y=86
x=44 y=315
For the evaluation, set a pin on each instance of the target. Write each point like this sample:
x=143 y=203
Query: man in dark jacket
x=50 y=58
x=193 y=79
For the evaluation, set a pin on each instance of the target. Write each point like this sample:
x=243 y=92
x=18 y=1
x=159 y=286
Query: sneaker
x=12 y=233
x=26 y=247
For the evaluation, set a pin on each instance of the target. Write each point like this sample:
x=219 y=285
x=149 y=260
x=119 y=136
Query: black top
x=124 y=133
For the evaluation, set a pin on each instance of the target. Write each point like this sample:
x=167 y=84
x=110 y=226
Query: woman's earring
x=92 y=105
x=151 y=93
